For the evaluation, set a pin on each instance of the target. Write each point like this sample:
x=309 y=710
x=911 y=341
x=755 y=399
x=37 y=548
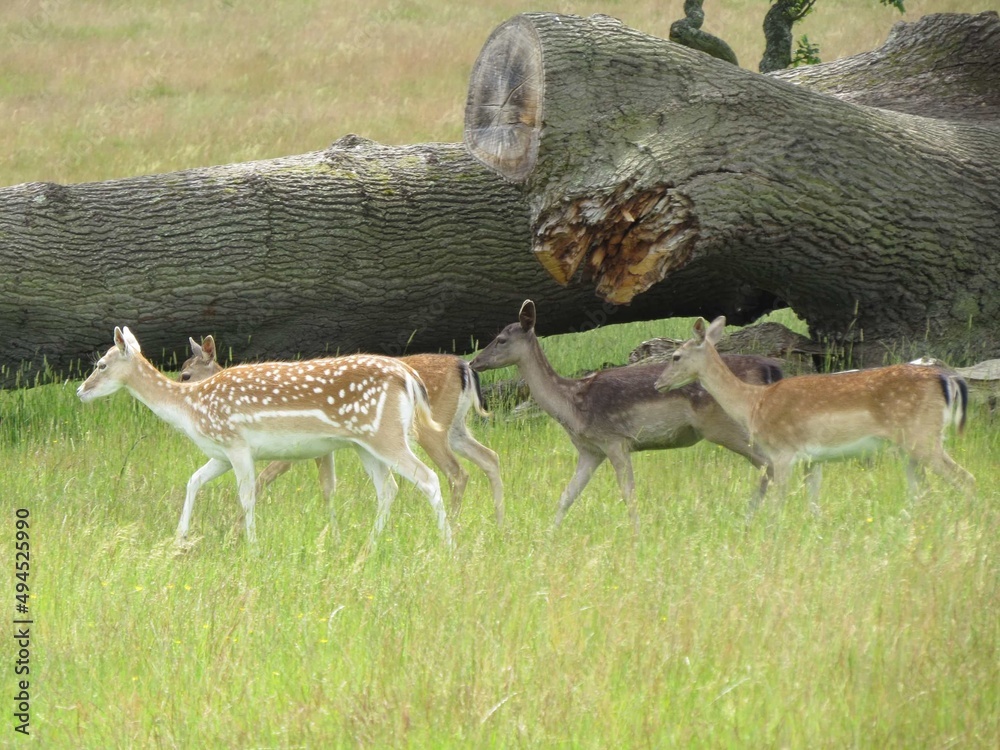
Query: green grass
x=873 y=626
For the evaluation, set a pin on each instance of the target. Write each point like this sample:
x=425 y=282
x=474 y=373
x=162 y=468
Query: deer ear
x=527 y=315
x=126 y=342
x=698 y=330
x=208 y=348
x=716 y=330
x=195 y=348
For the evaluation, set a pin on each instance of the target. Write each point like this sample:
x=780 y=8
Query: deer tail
x=956 y=398
x=423 y=419
x=471 y=386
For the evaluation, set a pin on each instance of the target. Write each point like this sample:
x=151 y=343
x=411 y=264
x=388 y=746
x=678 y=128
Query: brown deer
x=284 y=411
x=452 y=391
x=818 y=417
x=615 y=412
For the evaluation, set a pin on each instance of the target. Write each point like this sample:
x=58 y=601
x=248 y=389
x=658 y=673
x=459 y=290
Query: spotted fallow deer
x=615 y=412
x=452 y=391
x=284 y=411
x=814 y=418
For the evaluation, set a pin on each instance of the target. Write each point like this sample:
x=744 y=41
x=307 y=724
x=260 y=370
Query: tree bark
x=361 y=246
x=641 y=159
x=333 y=250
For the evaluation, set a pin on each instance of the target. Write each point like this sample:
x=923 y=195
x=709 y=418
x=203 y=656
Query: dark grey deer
x=612 y=413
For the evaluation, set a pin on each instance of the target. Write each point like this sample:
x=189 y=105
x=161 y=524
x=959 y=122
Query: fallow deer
x=818 y=417
x=284 y=411
x=615 y=412
x=452 y=391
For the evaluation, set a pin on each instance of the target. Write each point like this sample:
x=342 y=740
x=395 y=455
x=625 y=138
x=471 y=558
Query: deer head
x=512 y=345
x=203 y=361
x=113 y=370
x=688 y=360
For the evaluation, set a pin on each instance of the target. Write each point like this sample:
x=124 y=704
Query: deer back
x=347 y=396
x=901 y=403
x=624 y=401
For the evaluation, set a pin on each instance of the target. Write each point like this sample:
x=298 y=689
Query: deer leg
x=410 y=467
x=766 y=472
x=729 y=435
x=271 y=472
x=242 y=461
x=586 y=463
x=327 y=469
x=215 y=468
x=620 y=459
x=814 y=478
x=766 y=475
x=436 y=445
x=328 y=485
x=916 y=478
x=945 y=466
x=385 y=488
x=781 y=469
x=468 y=447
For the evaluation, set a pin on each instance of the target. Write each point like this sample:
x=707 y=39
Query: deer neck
x=553 y=393
x=163 y=396
x=736 y=397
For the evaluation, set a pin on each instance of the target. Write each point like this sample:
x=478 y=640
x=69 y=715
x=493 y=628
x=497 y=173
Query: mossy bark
x=360 y=246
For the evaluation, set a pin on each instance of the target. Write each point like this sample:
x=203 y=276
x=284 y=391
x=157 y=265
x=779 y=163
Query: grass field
x=875 y=625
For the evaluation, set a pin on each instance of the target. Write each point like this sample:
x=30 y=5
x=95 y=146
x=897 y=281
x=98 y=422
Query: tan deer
x=452 y=391
x=284 y=411
x=815 y=418
x=615 y=412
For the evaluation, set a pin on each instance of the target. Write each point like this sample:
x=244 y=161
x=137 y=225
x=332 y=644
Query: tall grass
x=874 y=625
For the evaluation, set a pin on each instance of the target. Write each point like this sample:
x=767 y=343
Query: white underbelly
x=291 y=447
x=862 y=447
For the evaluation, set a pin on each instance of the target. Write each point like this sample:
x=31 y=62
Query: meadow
x=873 y=625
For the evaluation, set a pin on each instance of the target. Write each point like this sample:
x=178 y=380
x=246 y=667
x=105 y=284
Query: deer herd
x=282 y=412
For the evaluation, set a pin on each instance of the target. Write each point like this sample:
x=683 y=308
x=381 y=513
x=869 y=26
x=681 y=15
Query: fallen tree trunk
x=361 y=246
x=640 y=159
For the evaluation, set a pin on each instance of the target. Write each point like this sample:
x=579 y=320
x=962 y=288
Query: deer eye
x=501 y=340
x=676 y=357
x=102 y=365
x=185 y=376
